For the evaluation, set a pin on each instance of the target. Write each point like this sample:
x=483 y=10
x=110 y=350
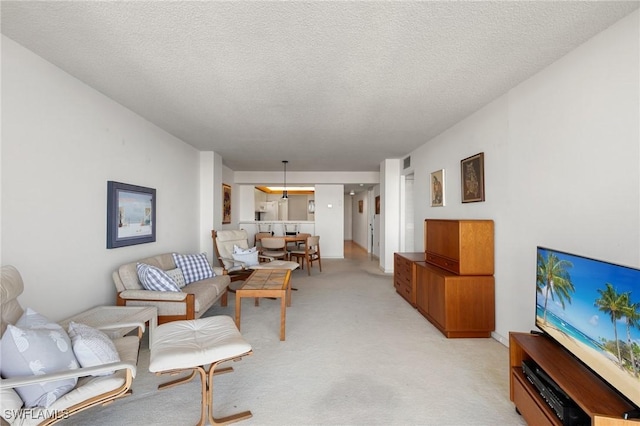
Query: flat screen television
x=592 y=308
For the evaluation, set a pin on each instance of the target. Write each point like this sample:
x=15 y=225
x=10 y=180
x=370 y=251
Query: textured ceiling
x=329 y=86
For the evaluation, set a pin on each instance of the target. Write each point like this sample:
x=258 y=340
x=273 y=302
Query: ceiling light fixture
x=284 y=191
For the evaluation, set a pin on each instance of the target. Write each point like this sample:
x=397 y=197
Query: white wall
x=207 y=203
x=61 y=142
x=329 y=219
x=562 y=167
x=389 y=213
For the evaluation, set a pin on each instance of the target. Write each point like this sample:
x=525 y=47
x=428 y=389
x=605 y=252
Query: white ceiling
x=329 y=86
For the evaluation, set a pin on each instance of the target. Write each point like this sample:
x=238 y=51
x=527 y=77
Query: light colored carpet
x=355 y=354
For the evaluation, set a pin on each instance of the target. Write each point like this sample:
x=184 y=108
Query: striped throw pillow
x=195 y=267
x=155 y=279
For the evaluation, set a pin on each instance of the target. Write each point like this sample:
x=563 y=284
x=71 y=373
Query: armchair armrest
x=155 y=296
x=161 y=298
x=16 y=382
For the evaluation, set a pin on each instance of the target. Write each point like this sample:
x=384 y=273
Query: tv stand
x=593 y=395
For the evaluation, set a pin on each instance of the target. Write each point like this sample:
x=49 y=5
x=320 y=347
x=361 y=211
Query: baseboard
x=500 y=339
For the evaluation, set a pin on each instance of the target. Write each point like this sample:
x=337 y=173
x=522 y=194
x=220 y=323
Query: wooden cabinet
x=455 y=284
x=458 y=305
x=464 y=247
x=404 y=274
x=594 y=396
x=451 y=283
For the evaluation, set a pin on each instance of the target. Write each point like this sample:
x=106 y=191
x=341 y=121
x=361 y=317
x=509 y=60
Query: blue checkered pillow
x=156 y=279
x=195 y=267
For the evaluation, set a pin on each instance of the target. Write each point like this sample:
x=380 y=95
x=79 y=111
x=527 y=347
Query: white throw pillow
x=240 y=250
x=45 y=348
x=248 y=256
x=92 y=347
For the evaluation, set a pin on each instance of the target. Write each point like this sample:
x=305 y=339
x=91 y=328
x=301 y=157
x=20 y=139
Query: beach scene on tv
x=592 y=308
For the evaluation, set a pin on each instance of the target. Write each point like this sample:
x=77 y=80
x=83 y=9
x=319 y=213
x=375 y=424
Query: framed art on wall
x=360 y=206
x=226 y=203
x=472 y=178
x=378 y=204
x=437 y=188
x=131 y=214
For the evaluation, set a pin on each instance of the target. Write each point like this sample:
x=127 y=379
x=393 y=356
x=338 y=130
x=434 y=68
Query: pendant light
x=284 y=191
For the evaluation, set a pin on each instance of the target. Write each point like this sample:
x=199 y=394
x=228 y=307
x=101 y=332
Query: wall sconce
x=312 y=206
x=352 y=192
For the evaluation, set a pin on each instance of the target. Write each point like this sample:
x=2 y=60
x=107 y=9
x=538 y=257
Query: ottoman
x=191 y=345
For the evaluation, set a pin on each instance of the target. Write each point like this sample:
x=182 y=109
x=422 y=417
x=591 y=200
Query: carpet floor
x=355 y=353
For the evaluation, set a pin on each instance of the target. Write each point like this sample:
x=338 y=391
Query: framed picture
x=472 y=178
x=360 y=206
x=378 y=204
x=437 y=188
x=226 y=203
x=131 y=215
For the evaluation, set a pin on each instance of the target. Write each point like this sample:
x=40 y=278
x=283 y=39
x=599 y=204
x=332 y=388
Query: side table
x=121 y=319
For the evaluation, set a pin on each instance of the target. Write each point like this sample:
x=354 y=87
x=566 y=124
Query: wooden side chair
x=259 y=236
x=300 y=244
x=310 y=254
x=274 y=247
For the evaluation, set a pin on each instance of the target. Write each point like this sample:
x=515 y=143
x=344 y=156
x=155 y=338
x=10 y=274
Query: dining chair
x=265 y=227
x=274 y=247
x=259 y=236
x=301 y=243
x=310 y=254
x=291 y=229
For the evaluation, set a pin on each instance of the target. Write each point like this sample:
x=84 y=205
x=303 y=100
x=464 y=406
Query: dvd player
x=563 y=406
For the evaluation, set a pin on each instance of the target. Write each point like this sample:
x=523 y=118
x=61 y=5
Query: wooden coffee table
x=267 y=283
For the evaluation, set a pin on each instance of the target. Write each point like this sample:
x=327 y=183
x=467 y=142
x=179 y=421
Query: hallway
x=353 y=251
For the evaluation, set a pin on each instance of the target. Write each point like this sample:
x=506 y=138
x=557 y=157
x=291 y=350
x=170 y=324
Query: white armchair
x=91 y=388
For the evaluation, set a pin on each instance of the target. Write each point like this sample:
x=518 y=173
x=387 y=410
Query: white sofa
x=190 y=303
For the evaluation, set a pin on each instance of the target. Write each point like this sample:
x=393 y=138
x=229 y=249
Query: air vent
x=407 y=162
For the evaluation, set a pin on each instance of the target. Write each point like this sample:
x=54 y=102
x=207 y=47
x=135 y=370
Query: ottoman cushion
x=186 y=344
